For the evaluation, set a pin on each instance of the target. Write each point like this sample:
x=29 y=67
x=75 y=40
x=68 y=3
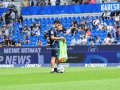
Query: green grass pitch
x=74 y=78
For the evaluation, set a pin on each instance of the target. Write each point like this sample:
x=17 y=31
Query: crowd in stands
x=58 y=2
x=89 y=30
x=104 y=30
x=6 y=4
x=25 y=3
x=8 y=21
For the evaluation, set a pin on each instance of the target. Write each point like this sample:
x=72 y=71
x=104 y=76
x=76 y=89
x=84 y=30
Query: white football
x=61 y=69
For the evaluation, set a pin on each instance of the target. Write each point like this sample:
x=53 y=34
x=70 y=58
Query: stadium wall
x=87 y=56
x=63 y=9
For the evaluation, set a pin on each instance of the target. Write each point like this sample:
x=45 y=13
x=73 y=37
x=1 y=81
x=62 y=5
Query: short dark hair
x=57 y=22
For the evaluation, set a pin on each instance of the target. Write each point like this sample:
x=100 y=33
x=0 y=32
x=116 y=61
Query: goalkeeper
x=54 y=45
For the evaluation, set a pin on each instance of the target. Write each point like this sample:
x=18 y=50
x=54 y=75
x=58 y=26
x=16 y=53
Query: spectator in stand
x=33 y=32
x=12 y=16
x=27 y=39
x=91 y=41
x=25 y=3
x=83 y=20
x=97 y=1
x=20 y=28
x=41 y=3
x=69 y=3
x=105 y=15
x=38 y=42
x=7 y=42
x=6 y=31
x=84 y=40
x=109 y=34
x=100 y=26
x=78 y=41
x=95 y=22
x=1 y=4
x=28 y=32
x=3 y=16
x=53 y=2
x=12 y=3
x=82 y=34
x=48 y=42
x=13 y=43
x=118 y=32
x=76 y=1
x=84 y=1
x=115 y=25
x=88 y=20
x=1 y=40
x=65 y=4
x=88 y=32
x=117 y=18
x=114 y=32
x=32 y=3
x=68 y=31
x=81 y=2
x=10 y=8
x=49 y=3
x=25 y=28
x=82 y=24
x=106 y=41
x=32 y=25
x=16 y=12
x=117 y=12
x=3 y=43
x=73 y=28
x=113 y=40
x=46 y=34
x=7 y=17
x=112 y=15
x=93 y=1
x=73 y=42
x=110 y=27
x=20 y=18
x=37 y=29
x=57 y=2
x=11 y=26
x=6 y=3
x=18 y=43
x=38 y=24
x=1 y=19
x=98 y=41
x=35 y=3
x=88 y=1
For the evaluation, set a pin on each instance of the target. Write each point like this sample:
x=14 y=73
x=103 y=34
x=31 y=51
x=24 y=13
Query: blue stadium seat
x=73 y=18
x=78 y=19
x=56 y=18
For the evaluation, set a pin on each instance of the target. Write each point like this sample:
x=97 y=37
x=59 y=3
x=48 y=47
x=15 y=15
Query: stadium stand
x=32 y=32
x=78 y=30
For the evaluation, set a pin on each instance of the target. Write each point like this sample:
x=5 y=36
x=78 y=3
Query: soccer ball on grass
x=61 y=69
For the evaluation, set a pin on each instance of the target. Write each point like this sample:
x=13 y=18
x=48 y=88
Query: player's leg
x=53 y=63
x=56 y=65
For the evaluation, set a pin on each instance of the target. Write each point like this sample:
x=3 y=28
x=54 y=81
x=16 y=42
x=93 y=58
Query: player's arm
x=57 y=38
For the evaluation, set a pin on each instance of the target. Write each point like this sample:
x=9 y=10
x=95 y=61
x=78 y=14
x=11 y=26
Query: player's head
x=56 y=23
